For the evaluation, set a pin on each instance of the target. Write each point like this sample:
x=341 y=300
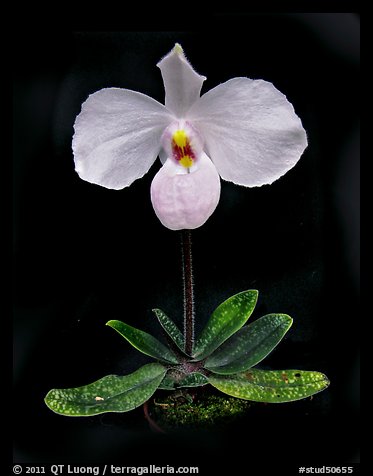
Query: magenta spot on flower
x=180 y=152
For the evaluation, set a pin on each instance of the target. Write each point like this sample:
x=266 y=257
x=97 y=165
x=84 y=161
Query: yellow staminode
x=180 y=138
x=182 y=149
x=186 y=161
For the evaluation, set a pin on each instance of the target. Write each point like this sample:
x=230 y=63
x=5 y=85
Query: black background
x=85 y=254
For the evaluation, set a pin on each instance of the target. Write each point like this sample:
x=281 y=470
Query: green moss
x=191 y=410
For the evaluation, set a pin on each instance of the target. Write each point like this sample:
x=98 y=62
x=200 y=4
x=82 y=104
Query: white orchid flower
x=244 y=131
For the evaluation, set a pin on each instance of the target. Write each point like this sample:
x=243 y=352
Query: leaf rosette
x=224 y=356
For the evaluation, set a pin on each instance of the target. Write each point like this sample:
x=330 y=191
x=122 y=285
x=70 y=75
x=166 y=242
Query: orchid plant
x=244 y=131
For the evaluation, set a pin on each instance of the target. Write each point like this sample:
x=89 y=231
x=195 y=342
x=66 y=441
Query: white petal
x=182 y=84
x=162 y=156
x=117 y=136
x=184 y=200
x=251 y=131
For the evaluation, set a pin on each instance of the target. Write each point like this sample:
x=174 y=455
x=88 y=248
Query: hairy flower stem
x=186 y=251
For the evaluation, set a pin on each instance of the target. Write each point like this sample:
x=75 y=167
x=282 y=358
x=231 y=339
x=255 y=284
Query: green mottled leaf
x=144 y=342
x=271 y=386
x=168 y=383
x=112 y=393
x=170 y=327
x=248 y=346
x=227 y=318
x=174 y=380
x=194 y=379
